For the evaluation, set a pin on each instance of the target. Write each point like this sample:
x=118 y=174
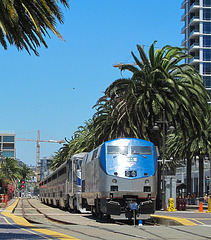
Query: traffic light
x=22 y=183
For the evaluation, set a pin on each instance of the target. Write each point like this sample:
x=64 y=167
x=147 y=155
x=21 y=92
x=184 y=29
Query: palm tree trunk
x=201 y=176
x=189 y=189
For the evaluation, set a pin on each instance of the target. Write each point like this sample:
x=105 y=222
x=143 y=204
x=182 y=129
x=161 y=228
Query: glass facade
x=207 y=68
x=207 y=27
x=8 y=138
x=7 y=145
x=207 y=14
x=197 y=33
x=9 y=154
x=207 y=54
x=207 y=81
x=207 y=41
x=207 y=3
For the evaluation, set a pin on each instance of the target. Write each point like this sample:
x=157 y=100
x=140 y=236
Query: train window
x=139 y=150
x=117 y=150
x=54 y=176
x=62 y=171
x=94 y=155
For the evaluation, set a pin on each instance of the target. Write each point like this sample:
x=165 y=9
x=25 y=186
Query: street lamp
x=164 y=122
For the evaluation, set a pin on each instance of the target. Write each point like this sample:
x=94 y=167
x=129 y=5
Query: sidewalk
x=196 y=207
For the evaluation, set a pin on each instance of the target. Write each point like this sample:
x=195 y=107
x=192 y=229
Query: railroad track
x=103 y=228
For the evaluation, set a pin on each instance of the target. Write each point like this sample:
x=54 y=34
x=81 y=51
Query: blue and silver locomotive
x=120 y=176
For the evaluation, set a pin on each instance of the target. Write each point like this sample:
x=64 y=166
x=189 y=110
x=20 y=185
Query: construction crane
x=38 y=149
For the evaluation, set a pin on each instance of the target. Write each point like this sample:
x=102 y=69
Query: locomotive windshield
x=139 y=150
x=117 y=150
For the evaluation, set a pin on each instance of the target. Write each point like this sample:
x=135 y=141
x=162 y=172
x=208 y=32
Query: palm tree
x=25 y=171
x=60 y=156
x=160 y=83
x=106 y=123
x=190 y=147
x=82 y=141
x=25 y=23
x=10 y=169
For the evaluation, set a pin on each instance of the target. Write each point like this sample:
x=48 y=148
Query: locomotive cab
x=120 y=175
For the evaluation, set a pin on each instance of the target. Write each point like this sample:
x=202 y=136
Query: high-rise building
x=7 y=145
x=45 y=164
x=197 y=31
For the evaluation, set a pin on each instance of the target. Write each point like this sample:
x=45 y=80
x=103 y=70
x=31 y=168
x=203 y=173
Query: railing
x=194 y=31
x=194 y=4
x=194 y=58
x=194 y=45
x=183 y=28
x=183 y=3
x=183 y=15
x=183 y=41
x=194 y=18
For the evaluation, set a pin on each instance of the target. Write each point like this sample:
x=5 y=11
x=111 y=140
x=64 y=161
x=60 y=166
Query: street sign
x=133 y=206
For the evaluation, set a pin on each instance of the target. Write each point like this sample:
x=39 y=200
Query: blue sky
x=37 y=92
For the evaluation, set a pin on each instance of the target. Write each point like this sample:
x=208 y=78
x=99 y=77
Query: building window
x=8 y=145
x=8 y=138
x=207 y=27
x=207 y=81
x=207 y=54
x=9 y=154
x=207 y=41
x=209 y=92
x=207 y=3
x=207 y=68
x=207 y=14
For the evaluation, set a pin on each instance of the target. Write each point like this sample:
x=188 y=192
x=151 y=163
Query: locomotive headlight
x=133 y=173
x=127 y=173
x=147 y=181
x=114 y=181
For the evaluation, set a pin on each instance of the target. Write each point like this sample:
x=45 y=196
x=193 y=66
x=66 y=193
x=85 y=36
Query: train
x=117 y=178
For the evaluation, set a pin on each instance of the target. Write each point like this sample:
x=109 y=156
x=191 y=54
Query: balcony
x=194 y=6
x=194 y=47
x=183 y=30
x=183 y=4
x=194 y=34
x=183 y=17
x=183 y=42
x=194 y=19
x=194 y=60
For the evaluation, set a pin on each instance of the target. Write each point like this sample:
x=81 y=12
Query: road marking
x=182 y=221
x=196 y=221
x=26 y=230
x=24 y=223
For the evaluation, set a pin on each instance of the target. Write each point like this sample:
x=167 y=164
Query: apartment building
x=197 y=32
x=7 y=145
